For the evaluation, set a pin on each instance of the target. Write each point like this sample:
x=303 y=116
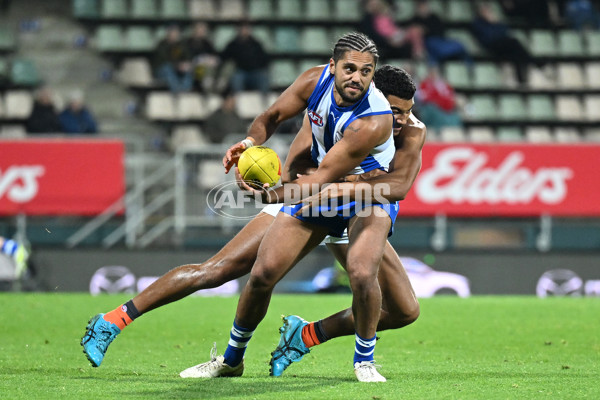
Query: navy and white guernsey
x=328 y=122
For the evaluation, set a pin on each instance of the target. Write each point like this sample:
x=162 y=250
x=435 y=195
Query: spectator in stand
x=437 y=101
x=439 y=47
x=204 y=56
x=250 y=59
x=392 y=40
x=580 y=14
x=172 y=62
x=535 y=13
x=76 y=118
x=496 y=38
x=224 y=121
x=43 y=117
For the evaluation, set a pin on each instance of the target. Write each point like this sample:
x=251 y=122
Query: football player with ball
x=396 y=305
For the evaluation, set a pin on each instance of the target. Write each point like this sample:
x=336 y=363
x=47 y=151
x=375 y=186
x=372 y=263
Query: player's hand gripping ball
x=260 y=165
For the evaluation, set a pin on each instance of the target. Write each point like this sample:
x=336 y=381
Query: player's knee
x=361 y=279
x=408 y=314
x=262 y=278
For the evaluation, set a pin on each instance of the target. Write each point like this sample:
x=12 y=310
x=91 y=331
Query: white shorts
x=273 y=209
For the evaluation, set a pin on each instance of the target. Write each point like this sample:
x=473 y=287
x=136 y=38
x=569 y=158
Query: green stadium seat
x=593 y=43
x=405 y=9
x=487 y=75
x=512 y=107
x=289 y=9
x=467 y=39
x=282 y=73
x=140 y=38
x=317 y=10
x=459 y=11
x=260 y=9
x=315 y=40
x=114 y=9
x=223 y=35
x=439 y=7
x=543 y=43
x=307 y=63
x=457 y=74
x=264 y=35
x=570 y=43
x=509 y=134
x=85 y=8
x=8 y=41
x=482 y=107
x=109 y=38
x=339 y=31
x=4 y=70
x=23 y=72
x=540 y=107
x=287 y=39
x=144 y=9
x=173 y=9
x=344 y=10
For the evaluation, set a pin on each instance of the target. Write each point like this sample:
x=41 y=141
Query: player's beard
x=347 y=98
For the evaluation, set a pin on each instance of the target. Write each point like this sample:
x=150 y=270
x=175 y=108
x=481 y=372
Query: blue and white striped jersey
x=328 y=122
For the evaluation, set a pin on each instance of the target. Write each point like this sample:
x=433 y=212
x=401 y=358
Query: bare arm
x=290 y=103
x=299 y=160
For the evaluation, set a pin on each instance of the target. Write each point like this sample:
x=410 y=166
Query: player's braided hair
x=394 y=81
x=354 y=41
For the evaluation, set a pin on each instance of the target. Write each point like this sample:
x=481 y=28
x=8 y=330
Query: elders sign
x=506 y=180
x=60 y=177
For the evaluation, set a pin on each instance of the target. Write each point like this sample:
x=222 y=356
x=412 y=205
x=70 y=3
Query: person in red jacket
x=437 y=101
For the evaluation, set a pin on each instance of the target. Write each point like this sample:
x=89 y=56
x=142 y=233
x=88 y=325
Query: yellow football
x=260 y=165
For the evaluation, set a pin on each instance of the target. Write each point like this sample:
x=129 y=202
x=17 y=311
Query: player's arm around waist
x=299 y=160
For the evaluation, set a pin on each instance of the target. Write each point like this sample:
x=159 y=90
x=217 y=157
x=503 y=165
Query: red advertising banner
x=60 y=176
x=506 y=180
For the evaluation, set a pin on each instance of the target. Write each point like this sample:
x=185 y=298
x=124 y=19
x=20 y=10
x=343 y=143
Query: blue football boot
x=291 y=347
x=99 y=333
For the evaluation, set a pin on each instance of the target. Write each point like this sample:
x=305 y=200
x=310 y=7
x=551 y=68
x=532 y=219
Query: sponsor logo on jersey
x=315 y=118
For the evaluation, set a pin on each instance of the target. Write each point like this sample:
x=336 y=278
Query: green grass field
x=476 y=348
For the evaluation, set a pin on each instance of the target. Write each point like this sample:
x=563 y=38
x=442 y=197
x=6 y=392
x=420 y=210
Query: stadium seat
x=592 y=135
x=135 y=72
x=289 y=9
x=283 y=73
x=222 y=35
x=438 y=7
x=570 y=43
x=593 y=43
x=190 y=106
x=317 y=10
x=114 y=9
x=231 y=9
x=452 y=134
x=482 y=106
x=510 y=134
x=213 y=103
x=173 y=9
x=109 y=38
x=457 y=74
x=405 y=9
x=4 y=71
x=537 y=79
x=592 y=75
x=85 y=8
x=287 y=39
x=13 y=131
x=540 y=107
x=202 y=9
x=568 y=108
x=160 y=106
x=566 y=135
x=264 y=35
x=7 y=38
x=459 y=11
x=481 y=134
x=139 y=38
x=570 y=76
x=210 y=174
x=467 y=39
x=538 y=134
x=512 y=107
x=542 y=43
x=187 y=136
x=487 y=75
x=23 y=72
x=344 y=10
x=144 y=9
x=592 y=107
x=260 y=9
x=340 y=30
x=17 y=104
x=249 y=104
x=315 y=40
x=307 y=63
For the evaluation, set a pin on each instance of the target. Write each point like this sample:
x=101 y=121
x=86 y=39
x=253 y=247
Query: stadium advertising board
x=506 y=180
x=60 y=177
